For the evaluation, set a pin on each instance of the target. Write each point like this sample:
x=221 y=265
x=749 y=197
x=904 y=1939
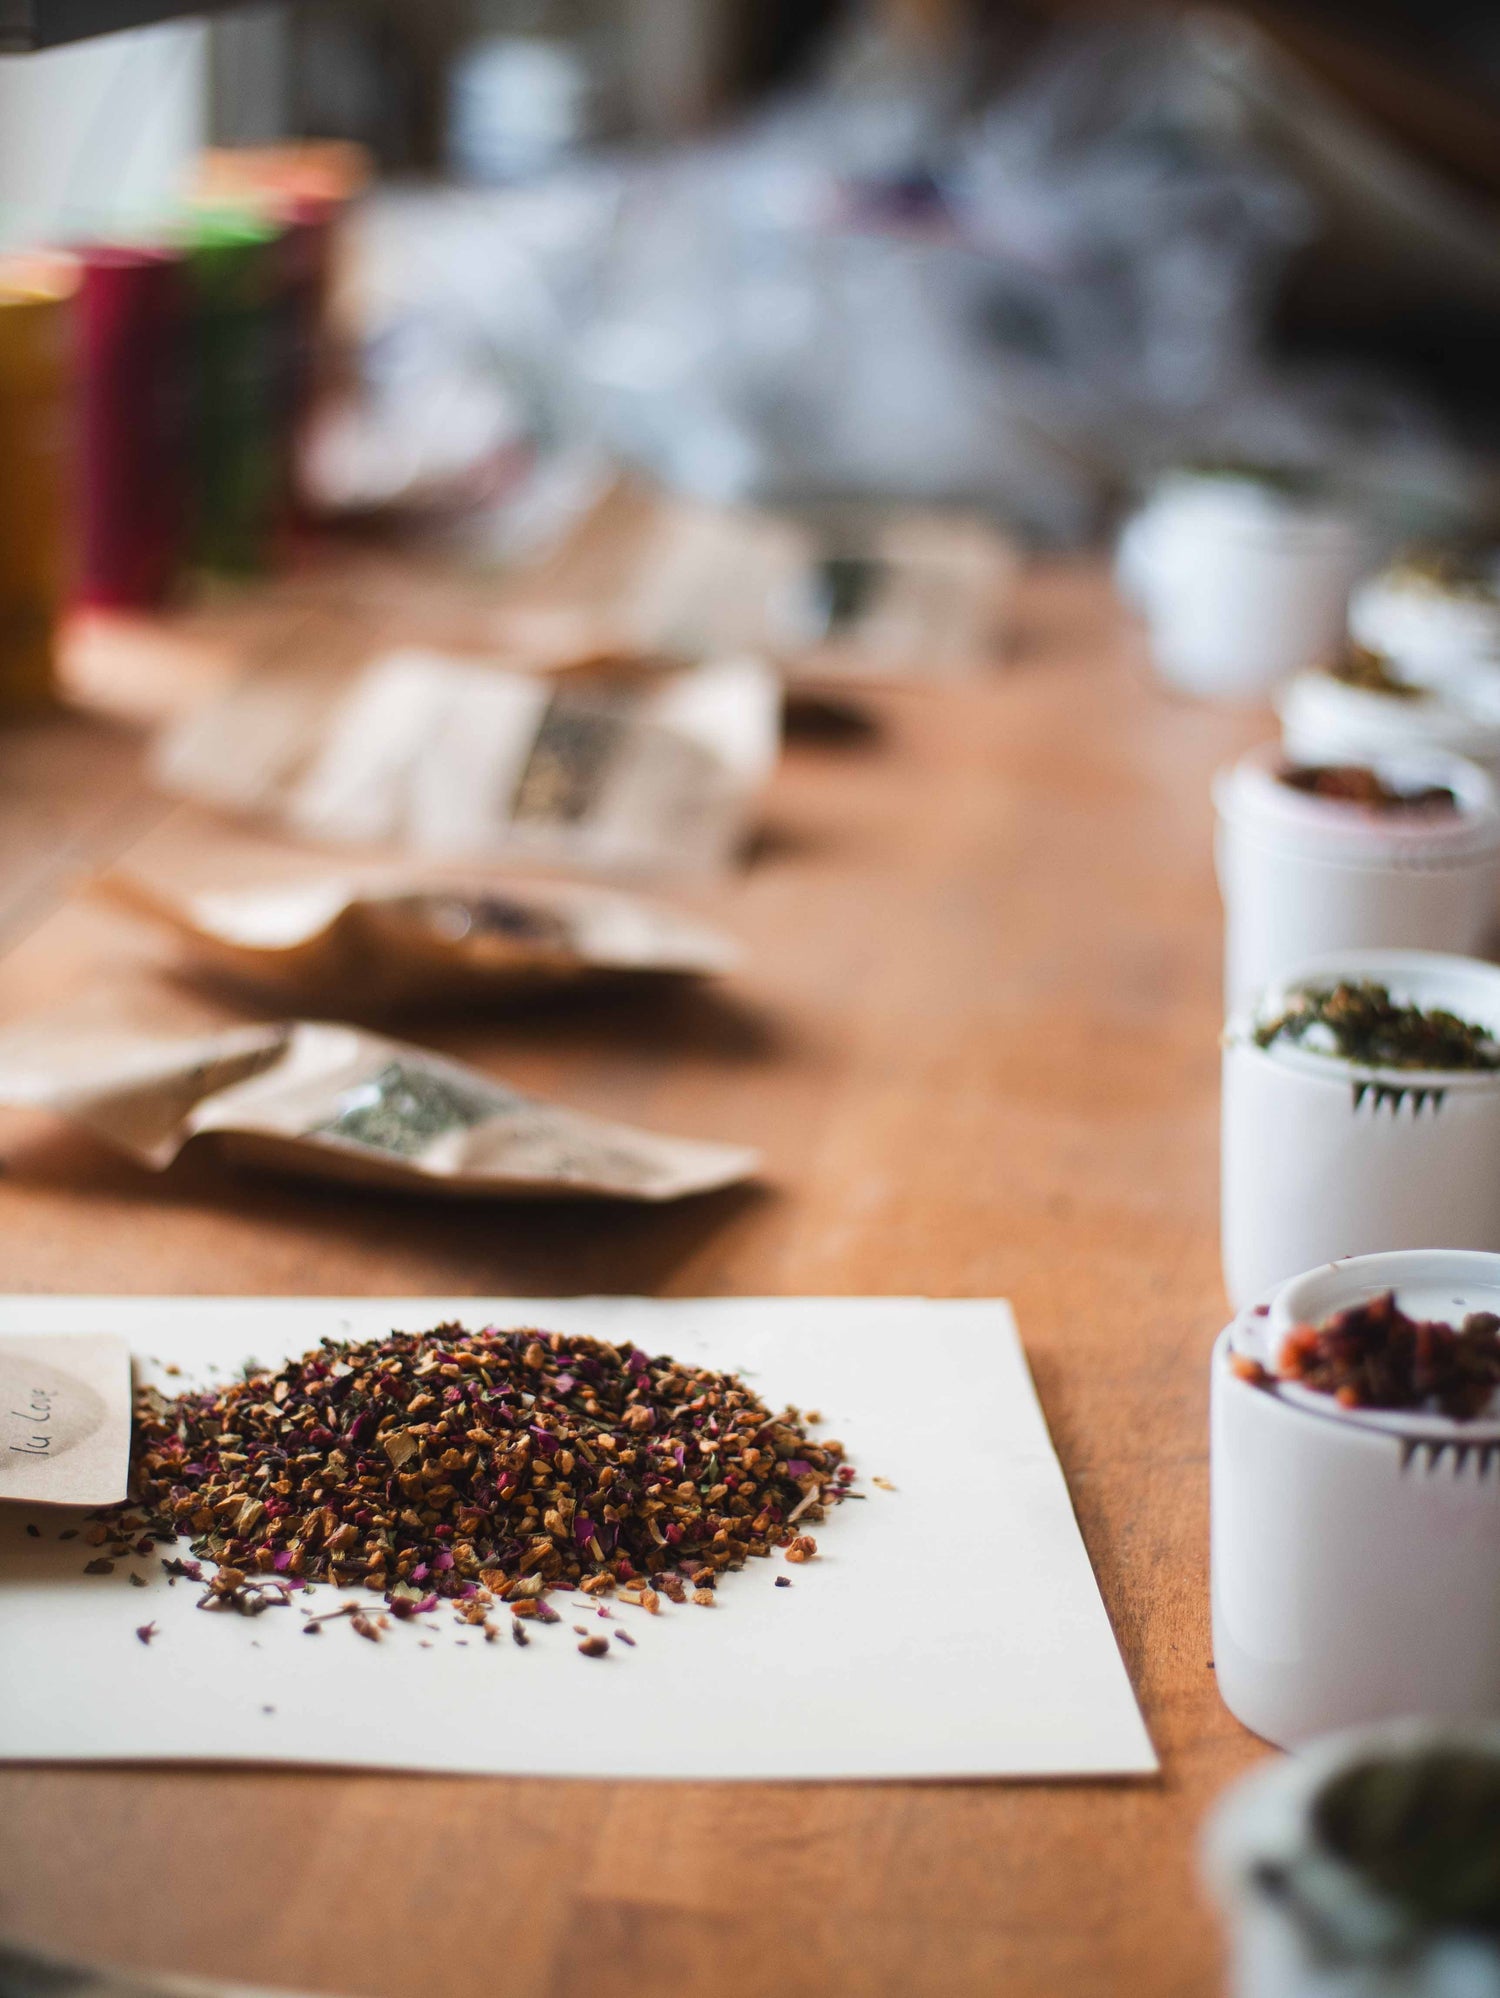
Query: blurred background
x=1011 y=257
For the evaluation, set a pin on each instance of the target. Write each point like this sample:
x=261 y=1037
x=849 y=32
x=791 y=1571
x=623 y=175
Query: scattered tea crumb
x=783 y=1581
x=624 y=1637
x=146 y=1631
x=101 y=1566
x=34 y=1531
x=595 y=1647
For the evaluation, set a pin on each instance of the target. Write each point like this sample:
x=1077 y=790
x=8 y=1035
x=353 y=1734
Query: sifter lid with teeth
x=1431 y=1287
x=1355 y=1474
x=1361 y=1112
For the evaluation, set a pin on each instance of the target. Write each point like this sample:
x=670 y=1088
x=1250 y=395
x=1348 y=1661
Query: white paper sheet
x=951 y=1627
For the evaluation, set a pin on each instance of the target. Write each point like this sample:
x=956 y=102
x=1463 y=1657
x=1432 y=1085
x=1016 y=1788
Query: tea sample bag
x=862 y=595
x=65 y=1419
x=331 y=1101
x=849 y=592
x=630 y=767
x=386 y=946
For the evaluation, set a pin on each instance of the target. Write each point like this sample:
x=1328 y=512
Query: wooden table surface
x=976 y=1039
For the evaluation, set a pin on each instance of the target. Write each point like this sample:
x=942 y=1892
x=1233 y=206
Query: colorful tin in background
x=240 y=369
x=307 y=276
x=153 y=397
x=136 y=407
x=306 y=189
x=37 y=511
x=332 y=171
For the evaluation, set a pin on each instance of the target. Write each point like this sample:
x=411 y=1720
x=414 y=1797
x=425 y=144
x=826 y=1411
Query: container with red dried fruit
x=1401 y=851
x=1355 y=1477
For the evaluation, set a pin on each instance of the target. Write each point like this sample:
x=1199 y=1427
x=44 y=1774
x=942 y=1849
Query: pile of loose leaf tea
x=1419 y=1825
x=1374 y=1356
x=481 y=1467
x=1357 y=784
x=1359 y=1021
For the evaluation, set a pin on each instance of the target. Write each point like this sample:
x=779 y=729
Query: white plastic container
x=1305 y=1920
x=1325 y=1158
x=1240 y=585
x=1355 y=1552
x=1430 y=632
x=1327 y=720
x=1300 y=874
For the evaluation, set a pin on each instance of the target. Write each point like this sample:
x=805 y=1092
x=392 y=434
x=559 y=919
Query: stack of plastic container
x=1356 y=1521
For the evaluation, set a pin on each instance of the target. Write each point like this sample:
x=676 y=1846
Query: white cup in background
x=1240 y=584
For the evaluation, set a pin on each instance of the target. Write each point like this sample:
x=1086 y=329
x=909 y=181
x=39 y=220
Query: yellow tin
x=37 y=402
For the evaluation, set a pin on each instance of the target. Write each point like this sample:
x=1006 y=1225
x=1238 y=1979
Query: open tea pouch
x=631 y=767
x=377 y=946
x=309 y=1097
x=862 y=593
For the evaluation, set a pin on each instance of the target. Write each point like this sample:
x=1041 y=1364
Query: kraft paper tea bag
x=378 y=947
x=329 y=1100
x=64 y=1419
x=849 y=592
x=862 y=596
x=647 y=771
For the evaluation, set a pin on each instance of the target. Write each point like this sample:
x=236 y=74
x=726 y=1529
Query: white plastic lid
x=1431 y=631
x=1330 y=720
x=1445 y=1284
x=1251 y=796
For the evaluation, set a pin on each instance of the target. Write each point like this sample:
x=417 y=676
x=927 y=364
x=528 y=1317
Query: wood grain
x=977 y=1040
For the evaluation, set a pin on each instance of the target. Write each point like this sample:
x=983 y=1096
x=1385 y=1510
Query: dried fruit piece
x=1374 y=1356
x=1357 y=784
